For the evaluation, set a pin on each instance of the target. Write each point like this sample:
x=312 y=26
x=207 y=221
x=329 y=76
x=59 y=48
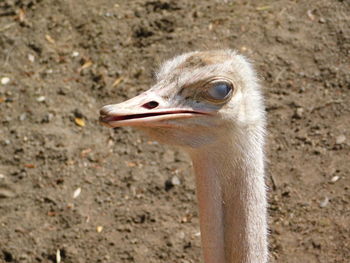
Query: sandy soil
x=60 y=61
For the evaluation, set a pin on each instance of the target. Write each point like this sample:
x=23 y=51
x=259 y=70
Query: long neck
x=232 y=202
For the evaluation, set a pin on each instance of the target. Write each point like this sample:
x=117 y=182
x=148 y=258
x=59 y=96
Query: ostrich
x=209 y=103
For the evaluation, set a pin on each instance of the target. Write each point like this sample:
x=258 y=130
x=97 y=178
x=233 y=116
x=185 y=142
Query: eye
x=219 y=91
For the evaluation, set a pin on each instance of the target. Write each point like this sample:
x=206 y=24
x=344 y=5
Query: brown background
x=65 y=59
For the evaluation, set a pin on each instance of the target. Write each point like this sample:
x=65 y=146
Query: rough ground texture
x=65 y=59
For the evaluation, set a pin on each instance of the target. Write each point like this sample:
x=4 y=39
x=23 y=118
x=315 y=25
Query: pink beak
x=145 y=109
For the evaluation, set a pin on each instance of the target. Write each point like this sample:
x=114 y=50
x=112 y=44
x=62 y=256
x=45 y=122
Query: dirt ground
x=73 y=191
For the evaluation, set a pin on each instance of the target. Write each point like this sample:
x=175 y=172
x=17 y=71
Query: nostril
x=150 y=105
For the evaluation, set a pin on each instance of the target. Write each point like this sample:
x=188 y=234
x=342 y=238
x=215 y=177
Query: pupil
x=220 y=91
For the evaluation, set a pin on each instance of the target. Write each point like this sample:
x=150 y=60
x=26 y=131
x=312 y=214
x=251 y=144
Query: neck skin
x=232 y=201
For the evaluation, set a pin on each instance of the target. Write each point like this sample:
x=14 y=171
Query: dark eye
x=219 y=90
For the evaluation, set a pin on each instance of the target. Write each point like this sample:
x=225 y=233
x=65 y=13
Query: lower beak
x=149 y=118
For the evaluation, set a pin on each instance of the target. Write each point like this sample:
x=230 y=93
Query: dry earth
x=61 y=60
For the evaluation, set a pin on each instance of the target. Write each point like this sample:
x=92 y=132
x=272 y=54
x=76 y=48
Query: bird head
x=198 y=98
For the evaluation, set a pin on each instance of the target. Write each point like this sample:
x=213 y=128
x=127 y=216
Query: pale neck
x=232 y=202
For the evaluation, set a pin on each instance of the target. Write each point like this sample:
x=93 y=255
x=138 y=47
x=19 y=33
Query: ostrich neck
x=232 y=202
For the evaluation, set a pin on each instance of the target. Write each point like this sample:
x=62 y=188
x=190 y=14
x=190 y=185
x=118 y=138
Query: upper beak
x=145 y=109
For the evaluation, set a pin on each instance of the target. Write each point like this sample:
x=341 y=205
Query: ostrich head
x=198 y=98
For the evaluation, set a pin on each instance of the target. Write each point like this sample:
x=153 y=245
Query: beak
x=144 y=110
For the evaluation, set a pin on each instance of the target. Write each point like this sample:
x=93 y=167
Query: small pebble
x=58 y=256
x=175 y=180
x=24 y=258
x=169 y=156
x=75 y=54
x=2 y=176
x=324 y=202
x=23 y=116
x=134 y=241
x=76 y=192
x=47 y=118
x=5 y=80
x=298 y=114
x=197 y=234
x=181 y=235
x=310 y=15
x=152 y=142
x=335 y=178
x=31 y=58
x=41 y=99
x=80 y=122
x=6 y=192
x=170 y=183
x=340 y=139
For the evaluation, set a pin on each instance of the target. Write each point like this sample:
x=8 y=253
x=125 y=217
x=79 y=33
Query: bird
x=210 y=104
